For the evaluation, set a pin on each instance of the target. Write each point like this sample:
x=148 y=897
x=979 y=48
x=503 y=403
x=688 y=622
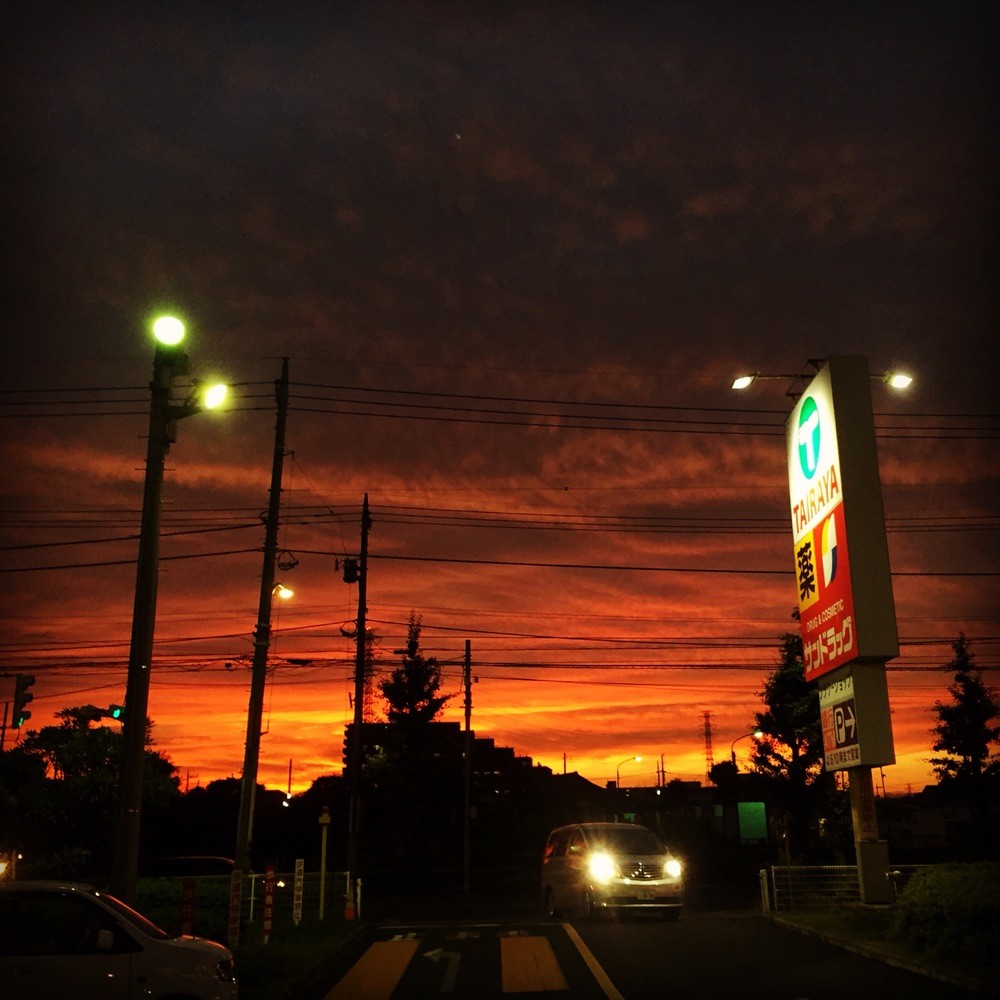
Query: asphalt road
x=704 y=955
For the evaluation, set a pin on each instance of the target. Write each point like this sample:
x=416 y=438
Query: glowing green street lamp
x=168 y=330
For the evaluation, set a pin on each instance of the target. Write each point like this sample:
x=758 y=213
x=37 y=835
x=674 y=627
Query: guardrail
x=804 y=887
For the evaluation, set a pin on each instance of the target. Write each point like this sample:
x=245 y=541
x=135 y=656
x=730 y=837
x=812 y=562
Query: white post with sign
x=847 y=615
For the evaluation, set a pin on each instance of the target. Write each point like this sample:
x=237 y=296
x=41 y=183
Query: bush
x=952 y=911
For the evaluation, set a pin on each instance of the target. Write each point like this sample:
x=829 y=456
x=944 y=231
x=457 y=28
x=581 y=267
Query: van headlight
x=673 y=868
x=602 y=867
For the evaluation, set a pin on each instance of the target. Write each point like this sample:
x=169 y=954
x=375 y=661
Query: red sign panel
x=269 y=886
x=826 y=604
x=187 y=906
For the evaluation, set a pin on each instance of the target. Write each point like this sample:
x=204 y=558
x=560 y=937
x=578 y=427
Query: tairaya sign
x=846 y=609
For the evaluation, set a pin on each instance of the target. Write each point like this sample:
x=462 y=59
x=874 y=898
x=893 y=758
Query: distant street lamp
x=169 y=361
x=756 y=734
x=618 y=770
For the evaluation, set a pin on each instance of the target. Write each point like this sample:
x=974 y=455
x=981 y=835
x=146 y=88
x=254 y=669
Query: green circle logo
x=808 y=437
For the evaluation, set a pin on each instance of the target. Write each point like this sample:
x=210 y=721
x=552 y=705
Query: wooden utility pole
x=262 y=635
x=467 y=823
x=356 y=741
x=168 y=361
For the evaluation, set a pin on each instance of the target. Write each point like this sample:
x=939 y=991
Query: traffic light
x=116 y=712
x=350 y=571
x=21 y=698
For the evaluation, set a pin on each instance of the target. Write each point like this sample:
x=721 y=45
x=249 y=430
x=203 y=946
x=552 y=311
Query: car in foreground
x=598 y=867
x=63 y=939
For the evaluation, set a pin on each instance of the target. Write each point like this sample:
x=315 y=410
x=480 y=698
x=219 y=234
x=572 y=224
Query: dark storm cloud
x=530 y=184
x=560 y=203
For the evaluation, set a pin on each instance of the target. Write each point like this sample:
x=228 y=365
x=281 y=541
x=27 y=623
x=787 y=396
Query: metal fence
x=804 y=887
x=207 y=908
x=333 y=895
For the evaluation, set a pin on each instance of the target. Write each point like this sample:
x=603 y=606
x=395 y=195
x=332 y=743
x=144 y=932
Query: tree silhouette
x=790 y=752
x=413 y=778
x=411 y=690
x=68 y=780
x=963 y=732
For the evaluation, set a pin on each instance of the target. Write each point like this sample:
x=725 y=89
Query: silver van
x=66 y=939
x=596 y=867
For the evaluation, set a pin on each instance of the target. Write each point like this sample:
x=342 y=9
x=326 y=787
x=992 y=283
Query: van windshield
x=636 y=840
x=126 y=912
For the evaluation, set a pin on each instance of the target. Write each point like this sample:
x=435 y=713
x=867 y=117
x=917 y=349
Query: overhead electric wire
x=124 y=562
x=570 y=414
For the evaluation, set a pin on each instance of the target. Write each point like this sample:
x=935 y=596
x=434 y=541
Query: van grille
x=642 y=870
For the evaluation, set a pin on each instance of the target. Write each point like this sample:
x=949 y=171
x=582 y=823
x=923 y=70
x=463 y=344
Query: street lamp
x=618 y=770
x=894 y=379
x=756 y=734
x=169 y=362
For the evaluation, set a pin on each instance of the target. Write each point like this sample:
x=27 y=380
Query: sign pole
x=872 y=854
x=846 y=610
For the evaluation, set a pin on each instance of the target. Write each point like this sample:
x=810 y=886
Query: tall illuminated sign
x=846 y=610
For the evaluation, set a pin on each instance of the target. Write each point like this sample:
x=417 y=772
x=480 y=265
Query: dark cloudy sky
x=515 y=260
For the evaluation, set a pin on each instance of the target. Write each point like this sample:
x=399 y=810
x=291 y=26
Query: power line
x=511 y=411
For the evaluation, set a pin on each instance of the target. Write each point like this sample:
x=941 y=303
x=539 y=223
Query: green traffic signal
x=21 y=698
x=116 y=711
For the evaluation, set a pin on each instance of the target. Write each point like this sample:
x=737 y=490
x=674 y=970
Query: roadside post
x=235 y=907
x=297 y=897
x=187 y=906
x=324 y=825
x=269 y=885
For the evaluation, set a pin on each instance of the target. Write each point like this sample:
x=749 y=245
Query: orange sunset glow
x=515 y=266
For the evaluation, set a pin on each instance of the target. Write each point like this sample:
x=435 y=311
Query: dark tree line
x=59 y=790
x=789 y=758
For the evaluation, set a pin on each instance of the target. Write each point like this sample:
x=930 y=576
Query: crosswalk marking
x=377 y=973
x=528 y=965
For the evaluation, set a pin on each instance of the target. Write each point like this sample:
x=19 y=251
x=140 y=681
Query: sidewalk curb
x=909 y=965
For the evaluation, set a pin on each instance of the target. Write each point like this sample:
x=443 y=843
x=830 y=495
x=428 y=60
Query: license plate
x=645 y=894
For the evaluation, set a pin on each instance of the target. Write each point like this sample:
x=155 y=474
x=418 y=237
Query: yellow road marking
x=528 y=965
x=610 y=990
x=377 y=973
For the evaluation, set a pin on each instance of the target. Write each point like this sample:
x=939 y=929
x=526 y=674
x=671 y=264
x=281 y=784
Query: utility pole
x=467 y=825
x=262 y=634
x=168 y=361
x=356 y=742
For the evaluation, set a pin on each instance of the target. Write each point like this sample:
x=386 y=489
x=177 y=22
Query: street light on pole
x=618 y=770
x=169 y=362
x=756 y=734
x=894 y=379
